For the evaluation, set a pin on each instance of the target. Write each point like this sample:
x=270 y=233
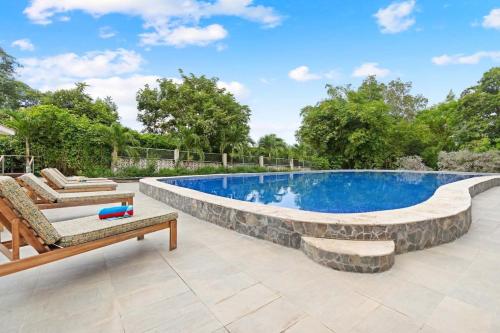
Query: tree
x=396 y=94
x=120 y=138
x=478 y=113
x=60 y=139
x=438 y=124
x=351 y=128
x=401 y=103
x=191 y=141
x=26 y=127
x=196 y=106
x=273 y=146
x=78 y=102
x=13 y=93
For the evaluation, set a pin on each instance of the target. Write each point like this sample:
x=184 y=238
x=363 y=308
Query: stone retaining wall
x=159 y=164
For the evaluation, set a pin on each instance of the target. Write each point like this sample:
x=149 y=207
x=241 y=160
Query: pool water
x=328 y=192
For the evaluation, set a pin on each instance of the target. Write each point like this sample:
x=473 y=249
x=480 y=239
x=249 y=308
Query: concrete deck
x=218 y=281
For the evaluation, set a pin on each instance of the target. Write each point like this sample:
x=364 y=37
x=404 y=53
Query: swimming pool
x=346 y=220
x=326 y=192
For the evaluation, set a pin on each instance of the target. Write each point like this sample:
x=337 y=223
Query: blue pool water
x=329 y=192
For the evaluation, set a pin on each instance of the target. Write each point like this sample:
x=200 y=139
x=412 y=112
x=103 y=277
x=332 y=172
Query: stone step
x=350 y=255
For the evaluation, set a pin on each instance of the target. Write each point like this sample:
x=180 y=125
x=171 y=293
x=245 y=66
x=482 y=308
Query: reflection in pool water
x=329 y=192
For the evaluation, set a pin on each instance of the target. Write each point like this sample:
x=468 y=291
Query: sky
x=274 y=55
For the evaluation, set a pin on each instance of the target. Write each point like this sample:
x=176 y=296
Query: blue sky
x=275 y=56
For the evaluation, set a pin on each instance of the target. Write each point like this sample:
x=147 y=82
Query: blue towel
x=116 y=212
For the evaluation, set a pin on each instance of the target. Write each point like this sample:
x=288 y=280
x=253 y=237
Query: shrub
x=133 y=171
x=465 y=160
x=414 y=162
x=320 y=163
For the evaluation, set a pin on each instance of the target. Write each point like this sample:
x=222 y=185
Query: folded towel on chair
x=116 y=212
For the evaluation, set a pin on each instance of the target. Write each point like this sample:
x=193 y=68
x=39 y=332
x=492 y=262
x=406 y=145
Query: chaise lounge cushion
x=71 y=179
x=89 y=196
x=60 y=183
x=11 y=191
x=90 y=228
x=46 y=192
x=41 y=189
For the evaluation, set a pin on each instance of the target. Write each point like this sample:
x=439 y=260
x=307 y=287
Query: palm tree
x=120 y=138
x=25 y=127
x=272 y=145
x=192 y=141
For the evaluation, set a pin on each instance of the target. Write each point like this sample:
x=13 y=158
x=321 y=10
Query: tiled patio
x=218 y=281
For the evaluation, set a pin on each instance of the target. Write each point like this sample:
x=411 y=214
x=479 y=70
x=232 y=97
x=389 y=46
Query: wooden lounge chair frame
x=43 y=203
x=23 y=235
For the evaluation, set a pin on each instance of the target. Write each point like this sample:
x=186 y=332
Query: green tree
x=26 y=128
x=13 y=93
x=61 y=139
x=478 y=113
x=120 y=138
x=272 y=146
x=197 y=106
x=79 y=103
x=401 y=102
x=351 y=127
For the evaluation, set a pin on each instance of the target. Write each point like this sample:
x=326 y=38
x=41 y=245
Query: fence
x=169 y=159
x=16 y=164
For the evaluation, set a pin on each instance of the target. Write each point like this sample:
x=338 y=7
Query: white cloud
x=122 y=90
x=172 y=22
x=370 y=68
x=236 y=88
x=461 y=59
x=183 y=36
x=492 y=20
x=302 y=74
x=43 y=71
x=108 y=73
x=24 y=44
x=396 y=17
x=106 y=32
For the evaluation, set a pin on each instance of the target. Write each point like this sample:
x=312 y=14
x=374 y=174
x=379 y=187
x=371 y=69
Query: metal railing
x=177 y=156
x=196 y=156
x=242 y=160
x=16 y=164
x=277 y=162
x=148 y=153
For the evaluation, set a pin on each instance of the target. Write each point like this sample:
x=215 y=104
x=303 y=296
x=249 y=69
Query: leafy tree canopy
x=198 y=112
x=272 y=146
x=13 y=93
x=79 y=103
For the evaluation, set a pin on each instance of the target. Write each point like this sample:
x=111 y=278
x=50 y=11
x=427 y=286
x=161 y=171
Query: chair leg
x=173 y=235
x=141 y=237
x=15 y=239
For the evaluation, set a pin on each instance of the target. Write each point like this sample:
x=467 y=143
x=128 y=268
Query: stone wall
x=162 y=163
x=125 y=162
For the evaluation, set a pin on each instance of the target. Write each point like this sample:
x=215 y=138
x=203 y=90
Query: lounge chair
x=78 y=179
x=55 y=241
x=60 y=185
x=46 y=197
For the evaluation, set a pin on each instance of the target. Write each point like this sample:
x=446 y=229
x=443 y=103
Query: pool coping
x=443 y=217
